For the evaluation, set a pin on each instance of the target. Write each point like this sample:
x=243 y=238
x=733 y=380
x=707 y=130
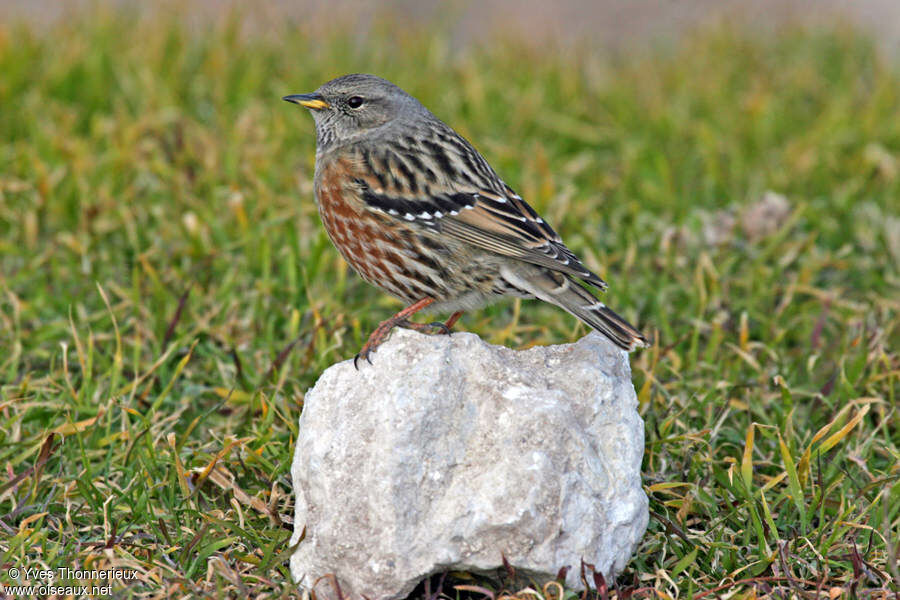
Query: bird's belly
x=359 y=237
x=404 y=259
x=389 y=254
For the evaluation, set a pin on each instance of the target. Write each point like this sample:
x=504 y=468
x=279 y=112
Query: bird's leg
x=384 y=328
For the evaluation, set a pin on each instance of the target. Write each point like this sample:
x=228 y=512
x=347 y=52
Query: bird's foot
x=427 y=328
x=377 y=338
x=384 y=329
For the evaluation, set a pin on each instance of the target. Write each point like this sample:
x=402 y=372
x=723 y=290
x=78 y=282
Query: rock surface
x=448 y=453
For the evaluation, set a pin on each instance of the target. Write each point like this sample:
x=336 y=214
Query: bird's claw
x=364 y=353
x=442 y=327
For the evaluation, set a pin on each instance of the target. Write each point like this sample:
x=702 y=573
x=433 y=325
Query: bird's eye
x=355 y=102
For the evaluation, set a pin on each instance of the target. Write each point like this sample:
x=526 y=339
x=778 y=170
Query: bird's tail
x=561 y=290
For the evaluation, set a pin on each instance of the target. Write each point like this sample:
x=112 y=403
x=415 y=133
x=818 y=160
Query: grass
x=167 y=292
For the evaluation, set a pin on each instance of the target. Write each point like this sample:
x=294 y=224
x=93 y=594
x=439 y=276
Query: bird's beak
x=313 y=101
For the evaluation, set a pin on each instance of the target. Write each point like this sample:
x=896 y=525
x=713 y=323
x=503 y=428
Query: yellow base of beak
x=314 y=104
x=313 y=101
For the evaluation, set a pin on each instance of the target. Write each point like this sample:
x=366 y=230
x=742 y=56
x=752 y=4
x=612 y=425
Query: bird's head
x=356 y=105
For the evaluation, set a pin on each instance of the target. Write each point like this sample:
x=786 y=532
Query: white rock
x=448 y=453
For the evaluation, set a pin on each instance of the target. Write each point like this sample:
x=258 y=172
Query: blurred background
x=602 y=22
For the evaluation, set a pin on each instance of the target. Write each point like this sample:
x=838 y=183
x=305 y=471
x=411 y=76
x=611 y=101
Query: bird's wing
x=495 y=220
x=507 y=225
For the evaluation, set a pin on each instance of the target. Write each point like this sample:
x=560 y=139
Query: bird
x=418 y=212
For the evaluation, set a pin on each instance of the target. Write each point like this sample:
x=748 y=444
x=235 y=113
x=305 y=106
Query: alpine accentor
x=418 y=212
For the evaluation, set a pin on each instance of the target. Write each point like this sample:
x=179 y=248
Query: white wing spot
x=409 y=217
x=438 y=214
x=393 y=211
x=425 y=215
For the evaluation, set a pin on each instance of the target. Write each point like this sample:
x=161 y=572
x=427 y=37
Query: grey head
x=350 y=107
